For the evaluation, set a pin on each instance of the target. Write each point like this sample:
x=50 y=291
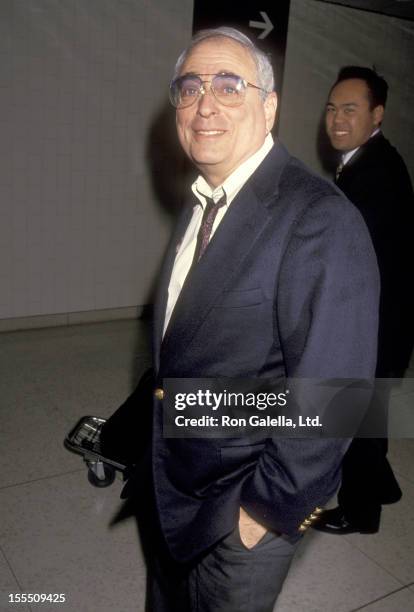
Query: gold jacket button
x=159 y=394
x=317 y=510
x=302 y=527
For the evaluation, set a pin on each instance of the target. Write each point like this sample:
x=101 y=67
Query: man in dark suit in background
x=269 y=274
x=374 y=177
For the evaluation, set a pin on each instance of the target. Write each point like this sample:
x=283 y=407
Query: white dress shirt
x=201 y=190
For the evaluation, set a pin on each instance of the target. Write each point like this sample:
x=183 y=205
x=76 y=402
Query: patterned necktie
x=206 y=226
x=338 y=171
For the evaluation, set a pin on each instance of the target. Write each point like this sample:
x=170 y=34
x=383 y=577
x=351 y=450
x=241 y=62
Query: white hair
x=265 y=78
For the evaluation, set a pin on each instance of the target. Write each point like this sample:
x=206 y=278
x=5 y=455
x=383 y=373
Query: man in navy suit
x=270 y=274
x=373 y=175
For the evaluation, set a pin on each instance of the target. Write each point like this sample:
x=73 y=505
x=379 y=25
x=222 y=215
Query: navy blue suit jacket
x=376 y=180
x=288 y=287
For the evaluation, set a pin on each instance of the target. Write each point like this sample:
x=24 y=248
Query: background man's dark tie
x=338 y=171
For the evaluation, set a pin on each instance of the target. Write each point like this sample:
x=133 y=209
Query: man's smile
x=209 y=132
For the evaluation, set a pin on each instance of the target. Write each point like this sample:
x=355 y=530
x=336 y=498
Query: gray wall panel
x=82 y=83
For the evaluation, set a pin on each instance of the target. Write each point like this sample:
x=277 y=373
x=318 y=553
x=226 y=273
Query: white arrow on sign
x=266 y=25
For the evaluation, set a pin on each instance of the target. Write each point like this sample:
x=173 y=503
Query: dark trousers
x=367 y=478
x=229 y=578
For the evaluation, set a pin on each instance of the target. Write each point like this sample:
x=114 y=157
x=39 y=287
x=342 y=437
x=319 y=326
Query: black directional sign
x=265 y=22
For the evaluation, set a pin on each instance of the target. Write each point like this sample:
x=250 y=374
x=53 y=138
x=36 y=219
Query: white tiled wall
x=82 y=83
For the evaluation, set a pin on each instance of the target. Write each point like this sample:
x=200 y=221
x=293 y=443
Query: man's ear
x=270 y=107
x=378 y=114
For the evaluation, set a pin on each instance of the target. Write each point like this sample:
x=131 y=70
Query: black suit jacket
x=288 y=287
x=376 y=180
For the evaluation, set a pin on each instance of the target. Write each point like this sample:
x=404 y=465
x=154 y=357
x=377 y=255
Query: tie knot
x=212 y=205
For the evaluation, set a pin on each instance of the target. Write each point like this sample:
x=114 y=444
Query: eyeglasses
x=228 y=89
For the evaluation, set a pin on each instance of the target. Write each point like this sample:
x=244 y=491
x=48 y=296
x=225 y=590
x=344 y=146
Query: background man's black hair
x=377 y=85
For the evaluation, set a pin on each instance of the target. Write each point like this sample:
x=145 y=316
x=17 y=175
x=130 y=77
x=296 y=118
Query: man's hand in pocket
x=251 y=532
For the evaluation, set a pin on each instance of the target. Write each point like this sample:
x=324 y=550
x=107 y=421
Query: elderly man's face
x=219 y=138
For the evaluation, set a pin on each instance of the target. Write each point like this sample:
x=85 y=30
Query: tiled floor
x=58 y=534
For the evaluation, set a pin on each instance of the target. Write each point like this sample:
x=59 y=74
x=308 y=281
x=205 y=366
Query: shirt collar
x=347 y=156
x=233 y=183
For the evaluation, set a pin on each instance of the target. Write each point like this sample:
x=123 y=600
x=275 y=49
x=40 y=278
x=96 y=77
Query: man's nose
x=338 y=116
x=207 y=103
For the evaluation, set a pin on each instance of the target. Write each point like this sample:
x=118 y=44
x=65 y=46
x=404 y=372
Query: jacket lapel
x=368 y=147
x=161 y=297
x=235 y=237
